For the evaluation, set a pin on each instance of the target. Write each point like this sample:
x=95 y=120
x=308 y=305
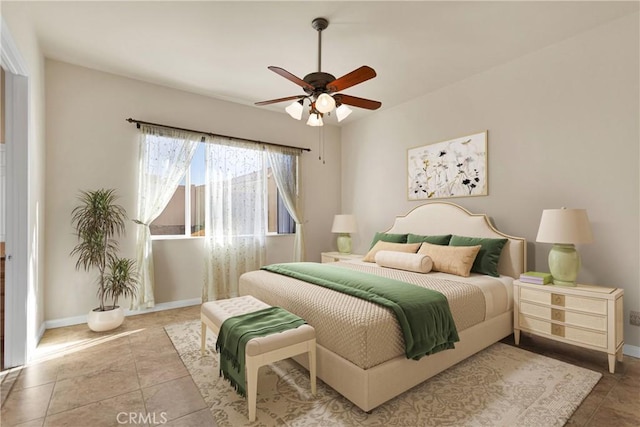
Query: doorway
x=3 y=177
x=15 y=209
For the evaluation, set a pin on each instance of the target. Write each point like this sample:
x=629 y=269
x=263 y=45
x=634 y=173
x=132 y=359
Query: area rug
x=500 y=386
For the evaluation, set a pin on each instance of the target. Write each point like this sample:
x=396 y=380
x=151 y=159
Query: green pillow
x=434 y=240
x=389 y=237
x=486 y=261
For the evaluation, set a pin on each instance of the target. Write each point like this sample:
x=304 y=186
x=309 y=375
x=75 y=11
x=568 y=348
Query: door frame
x=17 y=201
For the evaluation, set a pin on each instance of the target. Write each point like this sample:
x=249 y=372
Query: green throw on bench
x=236 y=332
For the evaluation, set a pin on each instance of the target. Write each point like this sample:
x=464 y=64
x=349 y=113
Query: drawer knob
x=557 y=330
x=557 y=315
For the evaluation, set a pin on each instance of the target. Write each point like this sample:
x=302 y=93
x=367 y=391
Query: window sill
x=170 y=237
x=173 y=237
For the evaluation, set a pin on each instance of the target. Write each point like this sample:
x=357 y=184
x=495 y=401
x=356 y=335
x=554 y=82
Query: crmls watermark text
x=141 y=418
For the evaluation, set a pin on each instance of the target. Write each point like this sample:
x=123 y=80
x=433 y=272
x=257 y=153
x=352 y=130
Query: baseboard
x=78 y=320
x=43 y=327
x=67 y=321
x=631 y=350
x=165 y=306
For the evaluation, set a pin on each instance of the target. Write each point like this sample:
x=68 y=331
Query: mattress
x=365 y=333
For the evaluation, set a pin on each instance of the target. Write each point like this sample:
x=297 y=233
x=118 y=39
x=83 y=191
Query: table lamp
x=344 y=224
x=564 y=228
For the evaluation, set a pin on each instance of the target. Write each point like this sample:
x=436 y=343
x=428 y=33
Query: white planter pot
x=100 y=321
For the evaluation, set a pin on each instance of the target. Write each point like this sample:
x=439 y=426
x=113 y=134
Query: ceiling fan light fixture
x=295 y=109
x=342 y=112
x=322 y=89
x=325 y=103
x=315 y=120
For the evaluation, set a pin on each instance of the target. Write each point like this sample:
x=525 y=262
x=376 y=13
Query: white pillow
x=418 y=263
x=381 y=245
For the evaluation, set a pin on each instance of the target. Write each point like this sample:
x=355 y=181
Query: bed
x=364 y=361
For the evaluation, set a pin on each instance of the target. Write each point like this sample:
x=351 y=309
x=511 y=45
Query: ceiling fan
x=320 y=88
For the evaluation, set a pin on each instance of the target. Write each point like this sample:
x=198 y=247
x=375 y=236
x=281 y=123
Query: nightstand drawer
x=582 y=336
x=585 y=315
x=326 y=258
x=591 y=305
x=585 y=320
x=337 y=256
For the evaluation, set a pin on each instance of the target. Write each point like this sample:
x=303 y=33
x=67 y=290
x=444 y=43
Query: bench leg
x=312 y=366
x=252 y=386
x=203 y=337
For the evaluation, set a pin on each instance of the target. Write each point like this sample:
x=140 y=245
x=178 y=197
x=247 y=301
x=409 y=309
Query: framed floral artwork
x=453 y=168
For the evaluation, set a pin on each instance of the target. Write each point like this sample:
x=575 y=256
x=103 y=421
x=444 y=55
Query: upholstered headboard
x=448 y=218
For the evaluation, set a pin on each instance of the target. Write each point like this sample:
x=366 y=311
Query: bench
x=262 y=350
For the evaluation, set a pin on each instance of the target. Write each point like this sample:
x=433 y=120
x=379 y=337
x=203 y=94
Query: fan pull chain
x=321 y=155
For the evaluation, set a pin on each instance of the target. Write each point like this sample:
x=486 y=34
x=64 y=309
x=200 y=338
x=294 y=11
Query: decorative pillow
x=389 y=246
x=451 y=259
x=434 y=240
x=388 y=237
x=418 y=263
x=487 y=260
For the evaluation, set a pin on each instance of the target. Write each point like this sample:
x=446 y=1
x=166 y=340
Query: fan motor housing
x=319 y=81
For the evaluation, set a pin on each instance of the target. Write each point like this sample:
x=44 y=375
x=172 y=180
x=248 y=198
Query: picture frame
x=452 y=168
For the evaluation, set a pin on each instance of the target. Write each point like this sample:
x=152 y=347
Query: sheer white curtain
x=164 y=156
x=284 y=166
x=235 y=214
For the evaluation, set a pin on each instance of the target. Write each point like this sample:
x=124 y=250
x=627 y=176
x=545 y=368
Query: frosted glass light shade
x=315 y=120
x=342 y=112
x=325 y=103
x=295 y=110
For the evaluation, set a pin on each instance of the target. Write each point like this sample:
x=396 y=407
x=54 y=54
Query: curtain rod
x=140 y=122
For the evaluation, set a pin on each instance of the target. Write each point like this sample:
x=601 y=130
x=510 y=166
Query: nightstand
x=586 y=316
x=337 y=256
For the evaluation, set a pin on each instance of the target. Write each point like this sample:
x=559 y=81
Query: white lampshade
x=344 y=224
x=295 y=109
x=342 y=112
x=325 y=103
x=565 y=226
x=315 y=120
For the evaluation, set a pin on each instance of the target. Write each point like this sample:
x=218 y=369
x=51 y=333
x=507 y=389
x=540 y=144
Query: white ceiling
x=222 y=49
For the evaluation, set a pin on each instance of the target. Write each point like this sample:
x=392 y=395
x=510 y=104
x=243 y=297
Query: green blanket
x=423 y=314
x=236 y=331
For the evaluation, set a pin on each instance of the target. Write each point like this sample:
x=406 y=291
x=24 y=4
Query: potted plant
x=98 y=220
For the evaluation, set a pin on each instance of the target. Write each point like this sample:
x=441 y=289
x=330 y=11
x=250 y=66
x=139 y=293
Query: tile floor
x=133 y=376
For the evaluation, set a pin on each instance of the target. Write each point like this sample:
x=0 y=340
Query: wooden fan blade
x=355 y=77
x=358 y=102
x=287 y=75
x=275 y=101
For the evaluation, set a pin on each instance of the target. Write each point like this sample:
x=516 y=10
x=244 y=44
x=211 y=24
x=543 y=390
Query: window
x=184 y=214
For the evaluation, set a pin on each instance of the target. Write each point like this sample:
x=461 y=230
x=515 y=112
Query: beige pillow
x=417 y=263
x=388 y=246
x=456 y=260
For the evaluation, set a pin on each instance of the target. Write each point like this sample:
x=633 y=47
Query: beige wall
x=89 y=145
x=563 y=131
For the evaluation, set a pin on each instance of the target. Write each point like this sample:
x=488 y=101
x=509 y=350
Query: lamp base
x=344 y=243
x=564 y=264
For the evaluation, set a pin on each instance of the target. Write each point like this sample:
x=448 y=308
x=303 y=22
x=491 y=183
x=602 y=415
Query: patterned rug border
x=487 y=389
